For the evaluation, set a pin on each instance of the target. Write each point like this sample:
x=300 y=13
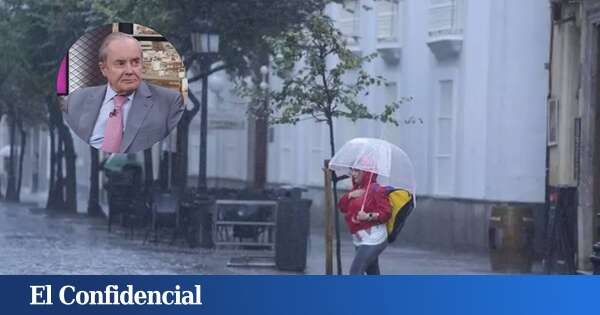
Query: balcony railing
x=445 y=28
x=348 y=21
x=445 y=18
x=389 y=15
x=389 y=29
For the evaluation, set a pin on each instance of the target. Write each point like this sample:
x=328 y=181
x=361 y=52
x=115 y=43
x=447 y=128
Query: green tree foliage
x=241 y=24
x=40 y=33
x=322 y=78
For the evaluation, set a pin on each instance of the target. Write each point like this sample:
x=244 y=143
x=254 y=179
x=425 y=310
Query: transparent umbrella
x=391 y=163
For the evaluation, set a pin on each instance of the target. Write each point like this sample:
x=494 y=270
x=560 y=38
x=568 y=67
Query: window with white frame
x=445 y=17
x=348 y=20
x=444 y=139
x=388 y=20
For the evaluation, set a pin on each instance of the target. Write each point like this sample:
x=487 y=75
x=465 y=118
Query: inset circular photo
x=123 y=87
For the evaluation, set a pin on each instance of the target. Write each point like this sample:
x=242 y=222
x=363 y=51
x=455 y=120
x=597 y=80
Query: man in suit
x=126 y=115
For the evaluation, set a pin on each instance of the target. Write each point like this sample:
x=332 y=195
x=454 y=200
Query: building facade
x=574 y=158
x=476 y=127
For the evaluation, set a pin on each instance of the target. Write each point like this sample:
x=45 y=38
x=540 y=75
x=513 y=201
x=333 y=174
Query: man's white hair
x=103 y=51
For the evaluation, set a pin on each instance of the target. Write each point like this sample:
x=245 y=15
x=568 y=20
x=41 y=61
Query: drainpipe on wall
x=548 y=96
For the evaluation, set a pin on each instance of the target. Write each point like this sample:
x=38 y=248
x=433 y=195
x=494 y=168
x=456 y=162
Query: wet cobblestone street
x=37 y=241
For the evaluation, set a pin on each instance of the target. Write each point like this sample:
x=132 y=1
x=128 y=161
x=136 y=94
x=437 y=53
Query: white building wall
x=414 y=80
x=497 y=113
x=226 y=144
x=474 y=90
x=517 y=120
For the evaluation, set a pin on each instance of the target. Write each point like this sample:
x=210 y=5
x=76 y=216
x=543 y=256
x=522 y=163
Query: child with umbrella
x=375 y=166
x=366 y=210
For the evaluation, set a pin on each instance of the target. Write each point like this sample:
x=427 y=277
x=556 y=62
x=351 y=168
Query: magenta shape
x=61 y=78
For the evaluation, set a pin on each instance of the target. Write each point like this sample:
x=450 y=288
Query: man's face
x=123 y=65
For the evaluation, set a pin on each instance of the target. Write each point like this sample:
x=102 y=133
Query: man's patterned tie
x=113 y=133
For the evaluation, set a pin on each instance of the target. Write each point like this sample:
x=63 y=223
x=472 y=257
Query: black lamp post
x=206 y=47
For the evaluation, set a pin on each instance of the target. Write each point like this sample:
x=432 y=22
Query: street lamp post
x=206 y=47
x=263 y=83
x=261 y=132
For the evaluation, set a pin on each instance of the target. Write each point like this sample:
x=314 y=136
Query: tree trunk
x=11 y=188
x=182 y=159
x=202 y=160
x=338 y=253
x=71 y=175
x=93 y=207
x=59 y=185
x=35 y=174
x=52 y=168
x=66 y=147
x=55 y=198
x=23 y=135
x=148 y=171
x=60 y=200
x=163 y=172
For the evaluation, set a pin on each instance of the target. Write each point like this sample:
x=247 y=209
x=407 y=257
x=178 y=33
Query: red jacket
x=376 y=202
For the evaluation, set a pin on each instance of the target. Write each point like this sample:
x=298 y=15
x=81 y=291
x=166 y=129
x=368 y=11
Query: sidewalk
x=400 y=259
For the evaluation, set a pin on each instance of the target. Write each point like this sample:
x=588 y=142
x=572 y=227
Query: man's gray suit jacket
x=154 y=112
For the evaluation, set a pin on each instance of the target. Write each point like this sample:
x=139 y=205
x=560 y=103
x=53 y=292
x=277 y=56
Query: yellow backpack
x=401 y=205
